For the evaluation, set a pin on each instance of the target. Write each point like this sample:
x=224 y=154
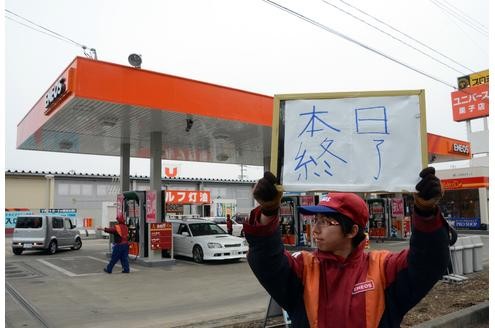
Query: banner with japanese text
x=187 y=197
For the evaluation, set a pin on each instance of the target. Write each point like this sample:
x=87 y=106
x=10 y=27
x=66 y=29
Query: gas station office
x=101 y=108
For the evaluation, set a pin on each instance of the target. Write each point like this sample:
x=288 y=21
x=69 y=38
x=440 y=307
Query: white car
x=205 y=240
x=237 y=228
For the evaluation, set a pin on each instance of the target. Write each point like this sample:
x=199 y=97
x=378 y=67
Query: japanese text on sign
x=161 y=235
x=470 y=103
x=473 y=79
x=187 y=197
x=352 y=144
x=151 y=206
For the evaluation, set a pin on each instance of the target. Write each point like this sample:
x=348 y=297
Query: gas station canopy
x=94 y=107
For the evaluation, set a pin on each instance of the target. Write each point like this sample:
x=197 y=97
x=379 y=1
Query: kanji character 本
x=310 y=127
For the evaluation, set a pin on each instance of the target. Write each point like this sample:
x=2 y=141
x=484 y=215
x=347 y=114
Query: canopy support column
x=156 y=181
x=125 y=155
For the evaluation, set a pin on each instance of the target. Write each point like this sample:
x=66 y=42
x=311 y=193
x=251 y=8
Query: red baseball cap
x=348 y=204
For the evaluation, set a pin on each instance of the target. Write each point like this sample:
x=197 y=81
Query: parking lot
x=70 y=289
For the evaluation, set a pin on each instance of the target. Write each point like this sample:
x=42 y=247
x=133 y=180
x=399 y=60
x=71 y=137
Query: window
x=57 y=223
x=203 y=229
x=87 y=189
x=26 y=222
x=63 y=189
x=67 y=224
x=183 y=228
x=101 y=190
x=75 y=189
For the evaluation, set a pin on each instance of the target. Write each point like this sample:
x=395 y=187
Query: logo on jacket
x=363 y=287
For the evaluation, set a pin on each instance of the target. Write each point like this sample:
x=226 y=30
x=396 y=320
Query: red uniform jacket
x=375 y=289
x=121 y=233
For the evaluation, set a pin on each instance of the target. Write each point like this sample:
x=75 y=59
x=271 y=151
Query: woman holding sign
x=339 y=285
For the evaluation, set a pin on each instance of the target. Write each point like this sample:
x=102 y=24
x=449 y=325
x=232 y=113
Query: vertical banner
x=120 y=206
x=151 y=206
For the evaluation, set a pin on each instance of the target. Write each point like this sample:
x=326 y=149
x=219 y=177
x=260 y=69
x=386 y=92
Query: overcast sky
x=245 y=44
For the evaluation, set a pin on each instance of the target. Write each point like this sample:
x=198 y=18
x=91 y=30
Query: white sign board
x=360 y=144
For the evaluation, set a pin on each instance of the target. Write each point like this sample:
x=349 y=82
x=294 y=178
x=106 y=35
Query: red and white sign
x=187 y=197
x=171 y=171
x=150 y=206
x=470 y=103
x=397 y=207
x=120 y=206
x=465 y=183
x=161 y=235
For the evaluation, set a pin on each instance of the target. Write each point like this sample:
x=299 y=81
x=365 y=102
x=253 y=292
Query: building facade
x=87 y=194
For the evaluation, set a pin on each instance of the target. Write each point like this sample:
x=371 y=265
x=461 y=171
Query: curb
x=475 y=314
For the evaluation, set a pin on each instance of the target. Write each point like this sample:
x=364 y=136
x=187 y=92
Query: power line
x=460 y=18
x=44 y=28
x=474 y=21
x=406 y=35
x=32 y=28
x=90 y=54
x=328 y=29
x=393 y=37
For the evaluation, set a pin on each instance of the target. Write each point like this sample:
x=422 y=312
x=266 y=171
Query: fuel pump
x=133 y=208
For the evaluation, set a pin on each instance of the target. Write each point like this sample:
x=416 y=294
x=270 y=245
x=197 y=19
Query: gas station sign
x=161 y=235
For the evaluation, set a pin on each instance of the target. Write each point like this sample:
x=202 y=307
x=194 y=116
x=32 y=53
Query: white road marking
x=72 y=274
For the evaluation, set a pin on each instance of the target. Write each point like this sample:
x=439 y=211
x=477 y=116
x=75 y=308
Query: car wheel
x=52 y=247
x=77 y=244
x=17 y=251
x=197 y=254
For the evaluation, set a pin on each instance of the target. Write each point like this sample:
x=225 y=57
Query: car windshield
x=28 y=222
x=204 y=229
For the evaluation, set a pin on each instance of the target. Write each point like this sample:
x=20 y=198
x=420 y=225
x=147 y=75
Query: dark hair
x=346 y=225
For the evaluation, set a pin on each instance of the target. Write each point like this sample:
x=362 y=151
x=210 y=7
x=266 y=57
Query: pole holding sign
x=357 y=141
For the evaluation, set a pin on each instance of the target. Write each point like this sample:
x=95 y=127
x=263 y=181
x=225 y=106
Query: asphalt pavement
x=70 y=289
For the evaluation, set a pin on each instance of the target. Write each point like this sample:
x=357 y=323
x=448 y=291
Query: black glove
x=268 y=194
x=429 y=193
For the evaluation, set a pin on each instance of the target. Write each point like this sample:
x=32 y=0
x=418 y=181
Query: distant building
x=88 y=193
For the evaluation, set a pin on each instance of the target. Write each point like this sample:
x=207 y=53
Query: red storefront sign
x=161 y=235
x=465 y=183
x=470 y=103
x=187 y=197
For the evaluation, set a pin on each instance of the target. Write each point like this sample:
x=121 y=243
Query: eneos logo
x=458 y=148
x=55 y=92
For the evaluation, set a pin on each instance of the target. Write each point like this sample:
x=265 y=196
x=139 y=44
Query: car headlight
x=214 y=245
x=245 y=243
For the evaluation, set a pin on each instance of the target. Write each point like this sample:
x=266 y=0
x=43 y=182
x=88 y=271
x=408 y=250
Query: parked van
x=44 y=232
